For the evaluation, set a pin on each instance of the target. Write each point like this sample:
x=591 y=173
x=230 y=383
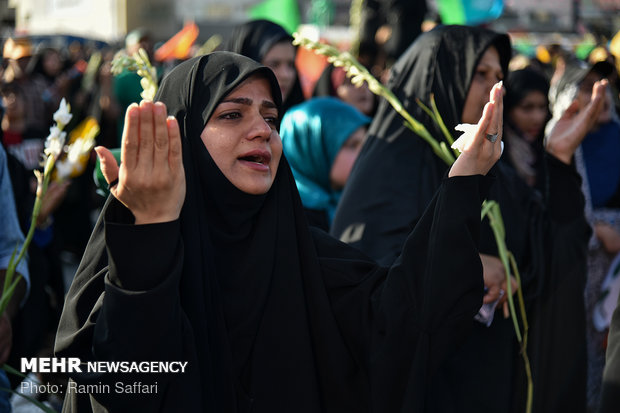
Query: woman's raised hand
x=480 y=153
x=151 y=178
x=574 y=125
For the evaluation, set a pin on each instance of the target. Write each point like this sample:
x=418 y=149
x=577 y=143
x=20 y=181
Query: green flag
x=283 y=12
x=469 y=11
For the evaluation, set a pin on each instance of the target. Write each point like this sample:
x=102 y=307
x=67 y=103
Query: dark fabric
x=254 y=39
x=270 y=315
x=317 y=218
x=393 y=180
x=325 y=85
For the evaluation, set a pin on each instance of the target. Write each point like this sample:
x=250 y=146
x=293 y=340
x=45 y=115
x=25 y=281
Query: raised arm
x=124 y=303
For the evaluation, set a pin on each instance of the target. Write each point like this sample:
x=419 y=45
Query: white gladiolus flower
x=62 y=115
x=64 y=167
x=149 y=89
x=55 y=142
x=469 y=132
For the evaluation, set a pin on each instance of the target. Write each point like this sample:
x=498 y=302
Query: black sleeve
x=131 y=274
x=430 y=296
x=560 y=377
x=419 y=309
x=565 y=201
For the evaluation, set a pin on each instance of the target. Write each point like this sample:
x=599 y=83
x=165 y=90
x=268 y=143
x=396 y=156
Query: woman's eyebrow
x=269 y=104
x=242 y=101
x=247 y=101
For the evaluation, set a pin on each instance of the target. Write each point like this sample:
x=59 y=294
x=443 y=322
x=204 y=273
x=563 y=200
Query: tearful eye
x=230 y=115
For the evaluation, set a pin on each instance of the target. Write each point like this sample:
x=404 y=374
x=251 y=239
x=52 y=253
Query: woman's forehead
x=256 y=84
x=257 y=88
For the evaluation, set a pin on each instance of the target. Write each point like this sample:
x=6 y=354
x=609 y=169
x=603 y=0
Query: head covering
x=248 y=264
x=312 y=134
x=254 y=39
x=330 y=80
x=396 y=164
x=520 y=83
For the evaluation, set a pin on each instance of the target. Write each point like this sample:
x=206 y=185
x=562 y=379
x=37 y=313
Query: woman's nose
x=260 y=128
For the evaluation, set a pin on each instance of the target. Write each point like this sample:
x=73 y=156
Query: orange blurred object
x=16 y=48
x=309 y=66
x=179 y=45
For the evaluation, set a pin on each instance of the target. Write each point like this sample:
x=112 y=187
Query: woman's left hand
x=480 y=153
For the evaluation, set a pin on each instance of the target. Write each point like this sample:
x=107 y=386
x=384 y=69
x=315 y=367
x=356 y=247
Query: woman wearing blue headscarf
x=322 y=138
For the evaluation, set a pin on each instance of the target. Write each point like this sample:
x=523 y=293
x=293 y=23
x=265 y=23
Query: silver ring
x=492 y=137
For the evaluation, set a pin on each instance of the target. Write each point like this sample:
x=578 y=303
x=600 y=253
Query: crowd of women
x=312 y=253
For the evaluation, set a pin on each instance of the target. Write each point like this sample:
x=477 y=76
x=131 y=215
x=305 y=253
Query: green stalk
x=497 y=227
x=9 y=283
x=526 y=360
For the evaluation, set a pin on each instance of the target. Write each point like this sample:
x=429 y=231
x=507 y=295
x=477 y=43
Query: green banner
x=283 y=12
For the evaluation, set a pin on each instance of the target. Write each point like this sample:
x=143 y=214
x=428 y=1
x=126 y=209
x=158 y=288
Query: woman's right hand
x=151 y=178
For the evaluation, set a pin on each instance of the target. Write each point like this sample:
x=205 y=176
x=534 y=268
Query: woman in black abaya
x=269 y=44
x=203 y=255
x=393 y=180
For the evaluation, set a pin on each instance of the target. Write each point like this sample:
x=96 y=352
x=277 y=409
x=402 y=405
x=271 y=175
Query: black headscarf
x=254 y=39
x=396 y=172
